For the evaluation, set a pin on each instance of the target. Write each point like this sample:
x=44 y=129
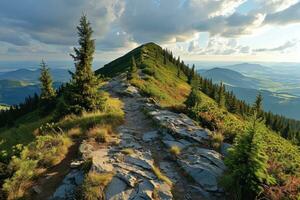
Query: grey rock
x=150 y=136
x=128 y=178
x=169 y=144
x=68 y=186
x=224 y=148
x=116 y=189
x=138 y=162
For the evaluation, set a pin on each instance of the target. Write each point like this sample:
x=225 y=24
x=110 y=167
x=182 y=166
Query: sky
x=199 y=30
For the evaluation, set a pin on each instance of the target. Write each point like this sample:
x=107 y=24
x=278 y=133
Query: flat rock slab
x=67 y=189
x=205 y=166
x=150 y=136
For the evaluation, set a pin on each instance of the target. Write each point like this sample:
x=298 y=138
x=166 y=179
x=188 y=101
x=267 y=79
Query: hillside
x=159 y=80
x=154 y=138
x=230 y=77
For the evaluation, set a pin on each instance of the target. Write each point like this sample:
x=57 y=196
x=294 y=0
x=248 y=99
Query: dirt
x=52 y=178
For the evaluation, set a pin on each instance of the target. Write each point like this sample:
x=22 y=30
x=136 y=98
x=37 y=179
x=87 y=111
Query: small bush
x=16 y=186
x=217 y=139
x=127 y=151
x=149 y=71
x=74 y=132
x=101 y=134
x=161 y=176
x=175 y=150
x=94 y=185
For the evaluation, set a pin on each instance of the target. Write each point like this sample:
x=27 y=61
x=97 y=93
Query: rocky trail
x=141 y=161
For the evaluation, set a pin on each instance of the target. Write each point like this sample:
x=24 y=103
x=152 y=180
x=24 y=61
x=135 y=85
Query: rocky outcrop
x=203 y=165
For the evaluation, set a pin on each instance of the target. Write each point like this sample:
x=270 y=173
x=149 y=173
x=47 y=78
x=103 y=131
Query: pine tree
x=47 y=91
x=193 y=100
x=133 y=70
x=191 y=75
x=221 y=96
x=84 y=85
x=247 y=163
x=258 y=103
x=165 y=57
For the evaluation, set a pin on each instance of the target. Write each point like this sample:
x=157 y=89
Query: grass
x=216 y=140
x=127 y=151
x=45 y=151
x=21 y=133
x=161 y=176
x=175 y=150
x=100 y=133
x=94 y=185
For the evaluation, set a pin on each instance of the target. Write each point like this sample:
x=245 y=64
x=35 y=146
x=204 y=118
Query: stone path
x=144 y=143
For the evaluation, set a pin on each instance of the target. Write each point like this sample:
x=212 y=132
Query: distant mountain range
x=246 y=88
x=231 y=77
x=32 y=76
x=16 y=85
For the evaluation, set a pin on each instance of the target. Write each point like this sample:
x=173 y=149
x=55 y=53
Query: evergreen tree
x=165 y=57
x=221 y=96
x=47 y=91
x=191 y=75
x=258 y=103
x=84 y=85
x=193 y=100
x=133 y=70
x=247 y=164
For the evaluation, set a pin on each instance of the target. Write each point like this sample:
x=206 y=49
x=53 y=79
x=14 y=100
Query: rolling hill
x=231 y=77
x=32 y=76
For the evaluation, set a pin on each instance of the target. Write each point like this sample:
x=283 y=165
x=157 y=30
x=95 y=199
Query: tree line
x=287 y=128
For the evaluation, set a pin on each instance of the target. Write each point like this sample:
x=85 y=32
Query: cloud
x=286 y=16
x=218 y=46
x=286 y=46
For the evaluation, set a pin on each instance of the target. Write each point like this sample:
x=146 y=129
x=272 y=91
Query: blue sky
x=203 y=30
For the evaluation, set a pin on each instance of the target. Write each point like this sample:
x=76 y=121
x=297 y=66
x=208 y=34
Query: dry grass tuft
x=175 y=150
x=127 y=151
x=161 y=176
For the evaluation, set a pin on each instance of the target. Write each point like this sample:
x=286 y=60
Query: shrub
x=94 y=185
x=127 y=151
x=17 y=185
x=100 y=133
x=74 y=132
x=175 y=150
x=247 y=164
x=216 y=141
x=149 y=71
x=161 y=176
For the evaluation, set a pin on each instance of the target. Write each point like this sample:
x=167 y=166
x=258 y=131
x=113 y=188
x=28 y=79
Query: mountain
x=154 y=138
x=230 y=77
x=15 y=92
x=248 y=68
x=32 y=76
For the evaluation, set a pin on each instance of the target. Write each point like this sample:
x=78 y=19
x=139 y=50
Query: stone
x=224 y=148
x=101 y=161
x=128 y=178
x=67 y=189
x=150 y=136
x=115 y=189
x=76 y=163
x=205 y=166
x=143 y=191
x=86 y=149
x=138 y=162
x=170 y=144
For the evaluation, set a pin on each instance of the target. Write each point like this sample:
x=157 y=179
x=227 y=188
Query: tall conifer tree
x=47 y=91
x=84 y=84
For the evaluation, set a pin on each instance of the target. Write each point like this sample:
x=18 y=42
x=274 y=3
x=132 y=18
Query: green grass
x=22 y=132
